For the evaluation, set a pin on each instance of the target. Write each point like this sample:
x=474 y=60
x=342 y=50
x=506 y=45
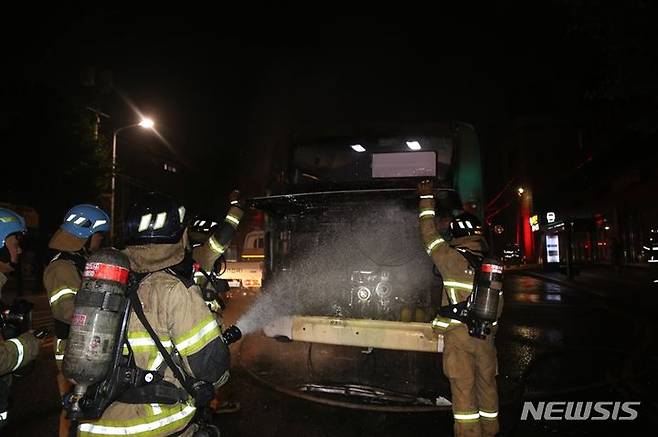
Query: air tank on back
x=99 y=307
x=487 y=294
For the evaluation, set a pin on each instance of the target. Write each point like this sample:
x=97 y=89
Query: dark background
x=563 y=94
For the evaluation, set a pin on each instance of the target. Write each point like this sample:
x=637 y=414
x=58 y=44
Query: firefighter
x=80 y=234
x=15 y=353
x=469 y=363
x=210 y=240
x=220 y=237
x=158 y=249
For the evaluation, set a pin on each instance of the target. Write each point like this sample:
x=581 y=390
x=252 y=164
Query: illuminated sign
x=550 y=217
x=534 y=223
x=552 y=249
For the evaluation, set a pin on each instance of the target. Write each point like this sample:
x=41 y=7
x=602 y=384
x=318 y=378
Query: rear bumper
x=378 y=334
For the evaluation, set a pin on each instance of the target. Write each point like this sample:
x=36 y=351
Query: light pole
x=146 y=123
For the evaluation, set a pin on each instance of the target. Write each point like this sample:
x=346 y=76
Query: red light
x=526 y=231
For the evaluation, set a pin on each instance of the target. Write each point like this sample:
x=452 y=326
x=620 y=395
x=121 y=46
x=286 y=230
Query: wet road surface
x=555 y=343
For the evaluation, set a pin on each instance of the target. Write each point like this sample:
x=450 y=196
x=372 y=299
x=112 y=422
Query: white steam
x=329 y=258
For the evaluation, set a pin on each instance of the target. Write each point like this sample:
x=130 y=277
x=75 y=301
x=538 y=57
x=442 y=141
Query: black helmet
x=200 y=229
x=156 y=219
x=464 y=225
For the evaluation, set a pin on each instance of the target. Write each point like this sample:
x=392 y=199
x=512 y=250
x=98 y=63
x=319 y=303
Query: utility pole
x=97 y=125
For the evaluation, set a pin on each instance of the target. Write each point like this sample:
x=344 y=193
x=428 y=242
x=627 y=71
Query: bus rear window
x=351 y=160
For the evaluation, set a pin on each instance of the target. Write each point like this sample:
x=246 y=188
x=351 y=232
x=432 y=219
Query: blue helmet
x=83 y=221
x=10 y=223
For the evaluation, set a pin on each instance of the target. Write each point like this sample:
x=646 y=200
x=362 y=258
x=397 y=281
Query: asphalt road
x=556 y=343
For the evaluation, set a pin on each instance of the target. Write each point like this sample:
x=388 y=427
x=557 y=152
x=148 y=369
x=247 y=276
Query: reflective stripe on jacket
x=18 y=352
x=219 y=240
x=62 y=281
x=180 y=318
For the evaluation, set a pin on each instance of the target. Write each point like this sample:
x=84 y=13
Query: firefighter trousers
x=470 y=364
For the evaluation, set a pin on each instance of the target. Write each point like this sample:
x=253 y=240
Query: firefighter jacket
x=207 y=254
x=14 y=354
x=185 y=326
x=62 y=280
x=18 y=352
x=62 y=277
x=457 y=274
x=219 y=240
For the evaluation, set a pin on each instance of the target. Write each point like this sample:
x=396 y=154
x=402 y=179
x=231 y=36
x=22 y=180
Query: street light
x=145 y=123
x=520 y=191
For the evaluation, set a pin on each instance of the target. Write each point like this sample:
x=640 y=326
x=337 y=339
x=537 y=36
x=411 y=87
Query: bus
x=343 y=251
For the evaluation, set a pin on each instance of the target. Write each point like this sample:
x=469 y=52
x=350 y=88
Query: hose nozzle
x=232 y=334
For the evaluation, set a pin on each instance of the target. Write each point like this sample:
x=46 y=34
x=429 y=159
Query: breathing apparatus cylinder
x=489 y=284
x=99 y=307
x=483 y=307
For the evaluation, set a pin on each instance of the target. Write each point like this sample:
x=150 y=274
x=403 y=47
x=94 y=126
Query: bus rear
x=344 y=258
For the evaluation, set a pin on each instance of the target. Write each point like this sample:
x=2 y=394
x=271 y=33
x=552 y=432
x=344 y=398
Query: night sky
x=227 y=88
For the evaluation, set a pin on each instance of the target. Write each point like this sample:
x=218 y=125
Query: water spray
x=324 y=273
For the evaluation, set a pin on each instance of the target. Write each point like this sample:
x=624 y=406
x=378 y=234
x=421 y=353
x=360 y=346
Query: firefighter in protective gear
x=80 y=234
x=158 y=249
x=210 y=240
x=469 y=363
x=220 y=237
x=15 y=353
x=201 y=231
